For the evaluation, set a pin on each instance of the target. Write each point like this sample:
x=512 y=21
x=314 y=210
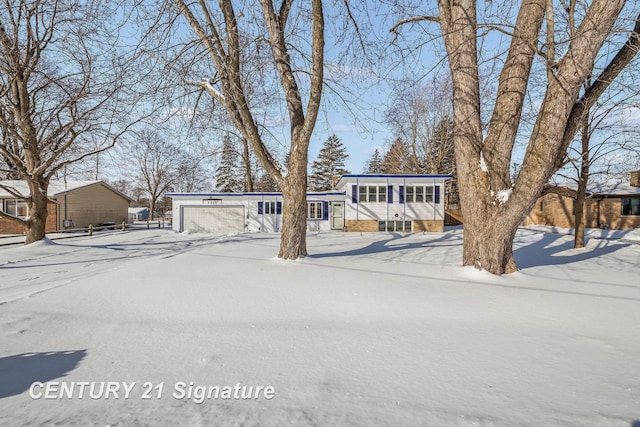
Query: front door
x=337 y=216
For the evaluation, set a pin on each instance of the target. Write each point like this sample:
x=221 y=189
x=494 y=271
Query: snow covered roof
x=137 y=210
x=617 y=189
x=611 y=189
x=56 y=188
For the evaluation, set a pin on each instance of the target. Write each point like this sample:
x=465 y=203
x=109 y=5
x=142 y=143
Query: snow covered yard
x=373 y=329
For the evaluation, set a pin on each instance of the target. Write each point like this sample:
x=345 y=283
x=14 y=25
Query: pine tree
x=227 y=173
x=329 y=166
x=398 y=159
x=374 y=165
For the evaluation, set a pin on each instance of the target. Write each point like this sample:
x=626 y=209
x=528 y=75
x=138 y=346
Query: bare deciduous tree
x=62 y=84
x=218 y=29
x=160 y=165
x=492 y=205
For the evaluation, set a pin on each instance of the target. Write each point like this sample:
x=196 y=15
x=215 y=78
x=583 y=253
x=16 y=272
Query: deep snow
x=372 y=329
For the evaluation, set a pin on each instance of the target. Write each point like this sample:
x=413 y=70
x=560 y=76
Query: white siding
x=395 y=210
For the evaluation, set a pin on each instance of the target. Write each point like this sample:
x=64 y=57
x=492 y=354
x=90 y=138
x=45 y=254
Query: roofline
x=549 y=188
x=60 y=193
x=396 y=176
x=328 y=193
x=391 y=175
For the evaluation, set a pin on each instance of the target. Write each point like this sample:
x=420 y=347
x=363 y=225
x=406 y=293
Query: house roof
x=137 y=210
x=267 y=194
x=607 y=189
x=351 y=177
x=55 y=189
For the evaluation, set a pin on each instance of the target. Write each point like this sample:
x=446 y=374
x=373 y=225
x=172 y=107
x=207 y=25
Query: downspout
x=357 y=199
x=433 y=200
x=386 y=190
x=404 y=199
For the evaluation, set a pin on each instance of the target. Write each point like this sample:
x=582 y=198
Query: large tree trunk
x=488 y=244
x=293 y=241
x=36 y=224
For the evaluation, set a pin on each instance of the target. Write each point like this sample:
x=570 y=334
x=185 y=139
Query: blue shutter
x=390 y=194
x=354 y=194
x=325 y=210
x=260 y=208
x=279 y=208
x=436 y=194
x=401 y=195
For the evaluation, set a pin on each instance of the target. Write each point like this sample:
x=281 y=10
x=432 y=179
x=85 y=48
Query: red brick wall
x=556 y=210
x=10 y=227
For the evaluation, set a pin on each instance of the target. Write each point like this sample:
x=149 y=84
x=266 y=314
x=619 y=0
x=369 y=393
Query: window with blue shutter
x=260 y=209
x=390 y=194
x=436 y=194
x=279 y=208
x=401 y=194
x=325 y=210
x=354 y=194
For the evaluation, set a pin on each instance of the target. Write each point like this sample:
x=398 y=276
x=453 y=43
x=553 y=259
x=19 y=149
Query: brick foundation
x=370 y=225
x=434 y=226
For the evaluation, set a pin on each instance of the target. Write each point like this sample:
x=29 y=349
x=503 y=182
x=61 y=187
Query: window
x=314 y=210
x=419 y=194
x=630 y=207
x=372 y=194
x=394 y=226
x=16 y=207
x=269 y=208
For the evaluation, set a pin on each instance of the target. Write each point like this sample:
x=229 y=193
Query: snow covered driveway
x=378 y=329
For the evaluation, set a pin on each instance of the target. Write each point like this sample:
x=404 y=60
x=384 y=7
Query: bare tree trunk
x=293 y=243
x=583 y=180
x=37 y=203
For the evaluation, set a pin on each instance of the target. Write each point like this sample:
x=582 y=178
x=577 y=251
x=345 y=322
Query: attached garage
x=219 y=219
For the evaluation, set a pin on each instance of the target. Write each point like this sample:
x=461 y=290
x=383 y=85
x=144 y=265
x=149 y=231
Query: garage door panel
x=213 y=219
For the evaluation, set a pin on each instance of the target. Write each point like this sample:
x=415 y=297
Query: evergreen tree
x=265 y=183
x=329 y=166
x=227 y=180
x=398 y=159
x=374 y=165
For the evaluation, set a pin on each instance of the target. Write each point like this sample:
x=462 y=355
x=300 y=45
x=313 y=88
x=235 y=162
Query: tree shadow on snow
x=18 y=372
x=394 y=243
x=548 y=251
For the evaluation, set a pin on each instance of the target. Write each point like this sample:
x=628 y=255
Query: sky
x=368 y=88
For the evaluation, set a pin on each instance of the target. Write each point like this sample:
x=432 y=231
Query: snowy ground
x=373 y=329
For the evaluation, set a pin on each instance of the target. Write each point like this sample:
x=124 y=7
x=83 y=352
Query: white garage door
x=213 y=219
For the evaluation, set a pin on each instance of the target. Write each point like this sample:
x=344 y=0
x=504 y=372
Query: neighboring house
x=360 y=203
x=138 y=214
x=71 y=204
x=615 y=206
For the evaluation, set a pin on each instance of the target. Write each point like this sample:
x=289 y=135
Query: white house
x=232 y=213
x=360 y=203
